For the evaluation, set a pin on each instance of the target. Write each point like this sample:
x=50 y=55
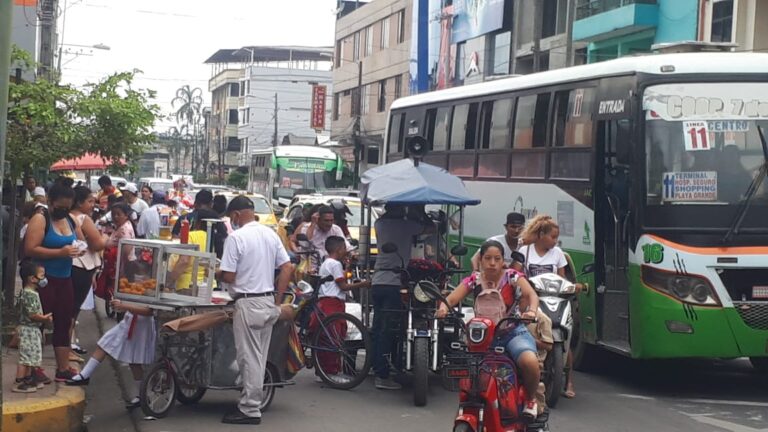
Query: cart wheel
x=341 y=349
x=270 y=377
x=108 y=309
x=158 y=391
x=190 y=395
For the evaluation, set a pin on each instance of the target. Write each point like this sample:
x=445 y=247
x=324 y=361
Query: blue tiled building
x=614 y=28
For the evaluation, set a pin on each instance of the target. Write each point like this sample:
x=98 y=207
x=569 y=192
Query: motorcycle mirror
x=354 y=242
x=459 y=250
x=388 y=247
x=588 y=268
x=431 y=290
x=302 y=237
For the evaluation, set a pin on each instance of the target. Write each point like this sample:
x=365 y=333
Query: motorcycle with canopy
x=423 y=340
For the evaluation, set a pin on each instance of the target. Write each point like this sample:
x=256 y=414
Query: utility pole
x=276 y=141
x=48 y=10
x=6 y=9
x=356 y=127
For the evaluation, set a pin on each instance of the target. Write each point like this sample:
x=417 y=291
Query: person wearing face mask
x=251 y=255
x=51 y=239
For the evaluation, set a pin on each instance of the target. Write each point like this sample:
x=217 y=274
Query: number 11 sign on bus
x=696 y=135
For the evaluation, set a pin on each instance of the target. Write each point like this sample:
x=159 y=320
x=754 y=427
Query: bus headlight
x=686 y=288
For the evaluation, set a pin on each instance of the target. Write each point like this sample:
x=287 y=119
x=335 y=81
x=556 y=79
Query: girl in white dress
x=132 y=341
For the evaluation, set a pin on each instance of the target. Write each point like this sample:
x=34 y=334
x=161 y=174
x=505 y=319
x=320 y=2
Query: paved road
x=626 y=396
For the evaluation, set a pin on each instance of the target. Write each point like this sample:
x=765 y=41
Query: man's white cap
x=130 y=187
x=39 y=191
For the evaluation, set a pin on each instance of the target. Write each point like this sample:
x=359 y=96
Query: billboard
x=317 y=119
x=473 y=18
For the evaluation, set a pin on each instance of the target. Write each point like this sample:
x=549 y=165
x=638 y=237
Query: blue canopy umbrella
x=402 y=182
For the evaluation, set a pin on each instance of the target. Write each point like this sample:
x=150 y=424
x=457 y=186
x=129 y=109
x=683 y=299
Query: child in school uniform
x=332 y=297
x=132 y=341
x=30 y=337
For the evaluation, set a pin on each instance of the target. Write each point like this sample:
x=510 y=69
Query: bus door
x=612 y=194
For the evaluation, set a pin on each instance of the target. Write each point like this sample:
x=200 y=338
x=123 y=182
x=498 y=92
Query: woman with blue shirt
x=49 y=239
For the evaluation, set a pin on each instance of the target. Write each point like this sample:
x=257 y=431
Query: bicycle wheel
x=190 y=395
x=158 y=391
x=340 y=351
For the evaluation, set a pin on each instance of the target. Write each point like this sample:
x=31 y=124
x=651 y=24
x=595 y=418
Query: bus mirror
x=279 y=211
x=459 y=250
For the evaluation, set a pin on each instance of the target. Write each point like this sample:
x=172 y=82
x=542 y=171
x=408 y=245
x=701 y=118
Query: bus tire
x=760 y=364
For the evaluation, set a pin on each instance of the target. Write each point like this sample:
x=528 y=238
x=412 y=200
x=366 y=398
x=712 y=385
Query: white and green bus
x=654 y=169
x=281 y=172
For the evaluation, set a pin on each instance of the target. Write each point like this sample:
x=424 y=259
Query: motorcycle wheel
x=462 y=427
x=270 y=377
x=420 y=371
x=555 y=374
x=190 y=395
x=760 y=364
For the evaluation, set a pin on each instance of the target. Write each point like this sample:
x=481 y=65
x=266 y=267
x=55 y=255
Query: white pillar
x=749 y=25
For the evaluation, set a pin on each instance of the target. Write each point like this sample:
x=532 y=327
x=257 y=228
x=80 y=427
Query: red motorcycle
x=491 y=395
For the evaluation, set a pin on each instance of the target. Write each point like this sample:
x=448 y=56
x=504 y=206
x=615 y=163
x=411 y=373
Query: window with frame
x=233 y=117
x=464 y=127
x=531 y=121
x=384 y=43
x=368 y=41
x=496 y=121
x=366 y=99
x=356 y=47
x=394 y=138
x=500 y=51
x=398 y=86
x=437 y=128
x=401 y=26
x=381 y=103
x=573 y=118
x=722 y=21
x=234 y=89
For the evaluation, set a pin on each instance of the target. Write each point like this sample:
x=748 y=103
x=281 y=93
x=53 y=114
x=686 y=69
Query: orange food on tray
x=136 y=288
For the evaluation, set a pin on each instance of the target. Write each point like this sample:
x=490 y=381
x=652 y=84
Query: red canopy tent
x=89 y=161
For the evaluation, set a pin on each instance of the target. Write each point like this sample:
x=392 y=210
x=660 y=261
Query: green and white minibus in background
x=653 y=167
x=281 y=172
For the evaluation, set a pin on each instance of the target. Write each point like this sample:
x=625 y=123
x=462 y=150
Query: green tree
x=238 y=180
x=188 y=104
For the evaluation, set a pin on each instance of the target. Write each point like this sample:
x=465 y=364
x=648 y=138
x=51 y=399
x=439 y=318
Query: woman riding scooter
x=517 y=296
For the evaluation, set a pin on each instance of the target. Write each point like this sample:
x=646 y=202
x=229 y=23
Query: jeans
x=386 y=307
x=518 y=341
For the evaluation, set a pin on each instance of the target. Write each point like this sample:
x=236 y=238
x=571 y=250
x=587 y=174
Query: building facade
x=615 y=28
x=742 y=22
x=371 y=70
x=262 y=94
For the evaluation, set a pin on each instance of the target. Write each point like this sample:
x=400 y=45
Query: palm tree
x=188 y=104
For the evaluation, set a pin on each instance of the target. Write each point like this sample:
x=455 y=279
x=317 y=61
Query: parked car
x=94 y=182
x=156 y=183
x=260 y=206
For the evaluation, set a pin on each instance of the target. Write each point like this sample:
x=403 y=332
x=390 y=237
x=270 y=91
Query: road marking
x=732 y=427
x=631 y=396
x=728 y=402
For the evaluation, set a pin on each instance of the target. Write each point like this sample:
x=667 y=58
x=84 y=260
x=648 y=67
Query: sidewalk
x=54 y=408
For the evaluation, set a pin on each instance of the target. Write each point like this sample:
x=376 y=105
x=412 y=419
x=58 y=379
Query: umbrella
x=88 y=161
x=402 y=182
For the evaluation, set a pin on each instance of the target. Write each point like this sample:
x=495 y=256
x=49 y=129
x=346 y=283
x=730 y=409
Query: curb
x=62 y=412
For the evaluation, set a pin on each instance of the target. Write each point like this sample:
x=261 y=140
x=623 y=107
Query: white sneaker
x=531 y=409
x=341 y=378
x=318 y=379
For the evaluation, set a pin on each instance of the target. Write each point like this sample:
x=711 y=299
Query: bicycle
x=339 y=339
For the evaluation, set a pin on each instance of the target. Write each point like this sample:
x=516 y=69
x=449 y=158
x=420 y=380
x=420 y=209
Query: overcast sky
x=170 y=39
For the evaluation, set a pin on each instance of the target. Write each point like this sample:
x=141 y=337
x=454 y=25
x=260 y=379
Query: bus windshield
x=297 y=175
x=703 y=148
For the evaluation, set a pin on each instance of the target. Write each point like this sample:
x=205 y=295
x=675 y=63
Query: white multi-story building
x=262 y=96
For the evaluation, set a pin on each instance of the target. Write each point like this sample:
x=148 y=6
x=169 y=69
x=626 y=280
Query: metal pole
x=6 y=9
x=537 y=28
x=61 y=43
x=277 y=143
x=356 y=128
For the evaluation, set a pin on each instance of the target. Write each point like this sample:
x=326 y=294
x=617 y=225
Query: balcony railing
x=588 y=8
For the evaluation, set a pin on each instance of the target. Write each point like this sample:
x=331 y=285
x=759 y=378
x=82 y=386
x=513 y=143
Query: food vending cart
x=176 y=281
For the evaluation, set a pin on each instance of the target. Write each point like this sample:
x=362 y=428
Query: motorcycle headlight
x=686 y=288
x=420 y=295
